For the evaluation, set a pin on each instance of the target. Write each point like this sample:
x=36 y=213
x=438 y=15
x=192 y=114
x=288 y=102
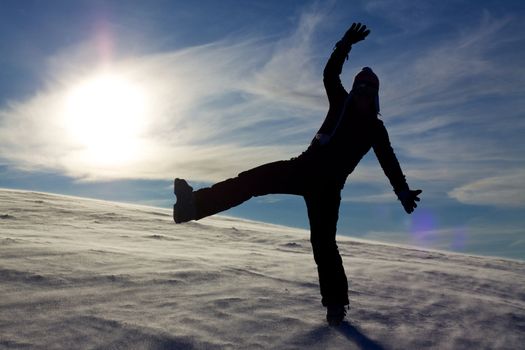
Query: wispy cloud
x=450 y=72
x=371 y=198
x=290 y=75
x=452 y=105
x=205 y=102
x=504 y=190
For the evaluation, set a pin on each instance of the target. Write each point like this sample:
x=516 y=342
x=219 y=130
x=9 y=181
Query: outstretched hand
x=408 y=199
x=356 y=33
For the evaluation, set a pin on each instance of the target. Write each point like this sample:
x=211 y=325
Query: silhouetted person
x=350 y=129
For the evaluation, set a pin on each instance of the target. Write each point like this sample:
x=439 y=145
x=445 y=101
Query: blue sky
x=206 y=89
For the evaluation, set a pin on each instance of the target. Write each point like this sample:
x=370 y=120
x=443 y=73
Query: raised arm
x=334 y=66
x=332 y=82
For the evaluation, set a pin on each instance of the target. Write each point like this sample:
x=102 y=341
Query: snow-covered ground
x=85 y=274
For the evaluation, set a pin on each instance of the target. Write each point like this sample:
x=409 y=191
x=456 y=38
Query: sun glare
x=105 y=116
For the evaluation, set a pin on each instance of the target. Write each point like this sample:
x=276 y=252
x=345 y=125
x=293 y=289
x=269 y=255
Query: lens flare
x=423 y=228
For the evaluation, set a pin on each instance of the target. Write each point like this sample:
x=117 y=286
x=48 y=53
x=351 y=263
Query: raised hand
x=356 y=33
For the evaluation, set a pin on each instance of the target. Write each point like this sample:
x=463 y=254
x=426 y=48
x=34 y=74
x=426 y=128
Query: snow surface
x=85 y=274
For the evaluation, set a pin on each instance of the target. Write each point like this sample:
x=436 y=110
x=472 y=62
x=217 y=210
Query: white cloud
x=230 y=105
x=203 y=102
x=503 y=190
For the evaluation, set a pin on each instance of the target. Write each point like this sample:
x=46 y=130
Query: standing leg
x=323 y=213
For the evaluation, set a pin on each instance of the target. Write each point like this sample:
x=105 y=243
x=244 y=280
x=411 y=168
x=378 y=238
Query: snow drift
x=85 y=274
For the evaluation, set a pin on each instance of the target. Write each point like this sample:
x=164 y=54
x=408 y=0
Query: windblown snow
x=85 y=274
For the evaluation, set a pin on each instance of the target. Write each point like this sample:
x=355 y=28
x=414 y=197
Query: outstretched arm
x=388 y=160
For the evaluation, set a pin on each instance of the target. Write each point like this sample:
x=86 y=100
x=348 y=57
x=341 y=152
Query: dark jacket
x=345 y=137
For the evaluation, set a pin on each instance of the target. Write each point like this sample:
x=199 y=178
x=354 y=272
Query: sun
x=105 y=116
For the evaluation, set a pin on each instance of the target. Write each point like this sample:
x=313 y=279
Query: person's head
x=365 y=92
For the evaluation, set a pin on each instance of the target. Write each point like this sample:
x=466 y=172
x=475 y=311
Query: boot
x=335 y=314
x=184 y=210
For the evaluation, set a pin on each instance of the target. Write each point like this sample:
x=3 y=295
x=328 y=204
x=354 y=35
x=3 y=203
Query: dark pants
x=321 y=190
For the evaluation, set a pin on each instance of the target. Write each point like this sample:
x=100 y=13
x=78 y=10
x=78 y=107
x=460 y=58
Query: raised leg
x=277 y=177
